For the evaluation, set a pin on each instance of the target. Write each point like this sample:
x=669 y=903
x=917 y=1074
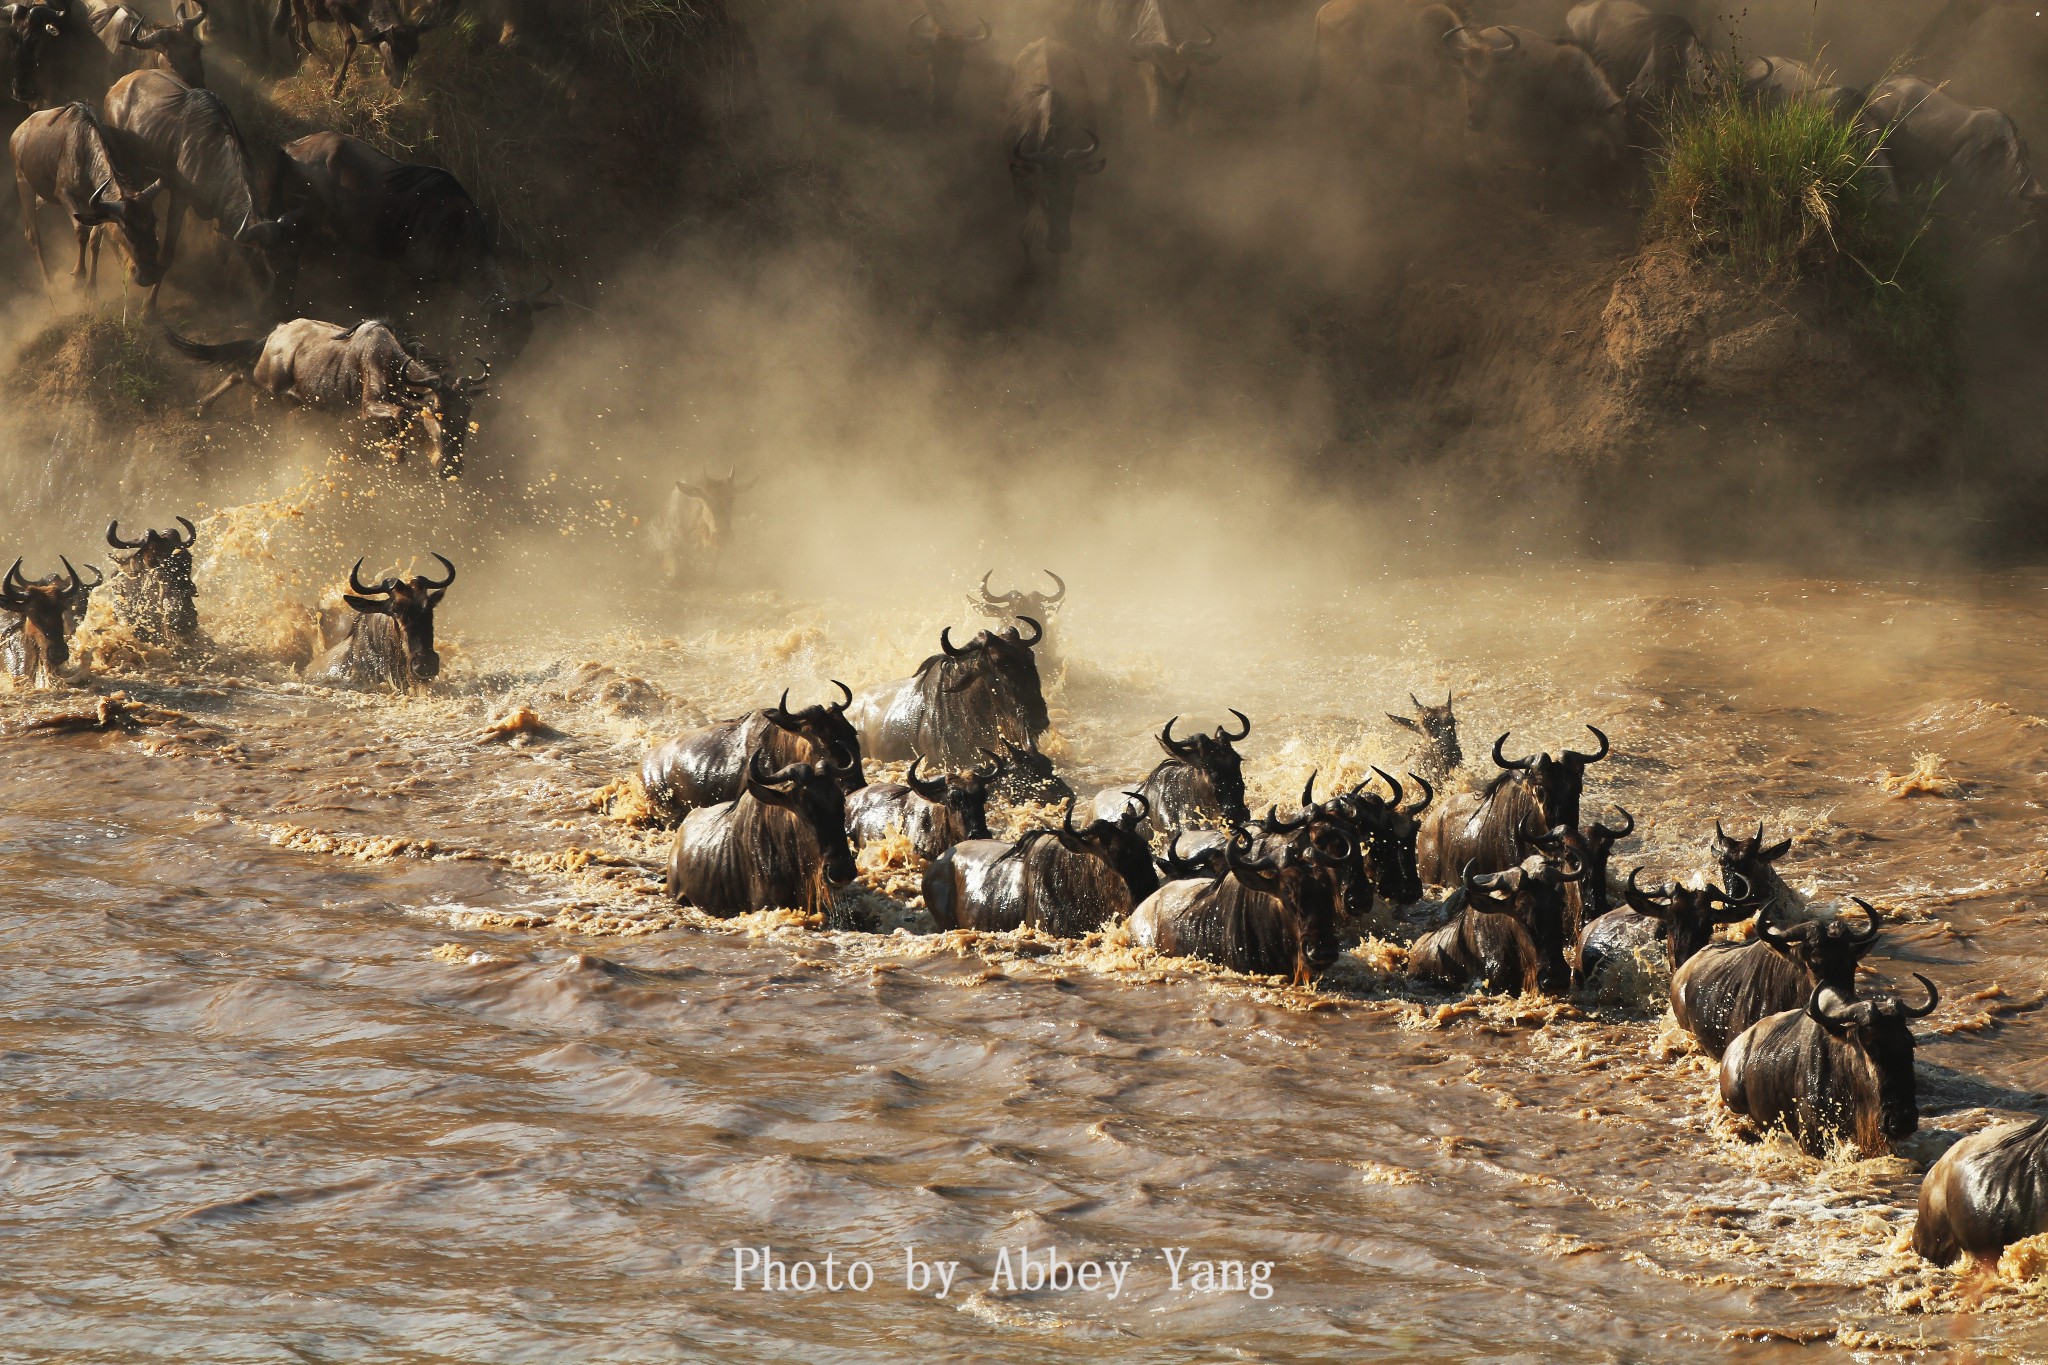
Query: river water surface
x=337 y=1027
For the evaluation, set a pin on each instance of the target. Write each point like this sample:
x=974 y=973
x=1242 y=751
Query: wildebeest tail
x=243 y=352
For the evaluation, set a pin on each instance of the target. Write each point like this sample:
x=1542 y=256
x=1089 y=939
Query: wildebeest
x=1726 y=987
x=190 y=134
x=58 y=59
x=133 y=43
x=1775 y=80
x=1484 y=829
x=1826 y=1072
x=363 y=370
x=963 y=701
x=1505 y=928
x=1437 y=754
x=382 y=25
x=37 y=618
x=387 y=635
x=1751 y=859
x=709 y=765
x=1668 y=926
x=1975 y=156
x=152 y=591
x=1164 y=44
x=1199 y=783
x=934 y=813
x=1548 y=98
x=1027 y=776
x=1064 y=882
x=416 y=218
x=1647 y=57
x=66 y=157
x=781 y=845
x=1051 y=139
x=1373 y=56
x=1386 y=830
x=1590 y=897
x=943 y=48
x=1987 y=1192
x=1269 y=913
x=692 y=533
x=1011 y=607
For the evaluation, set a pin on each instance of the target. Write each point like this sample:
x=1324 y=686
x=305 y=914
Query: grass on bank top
x=1787 y=192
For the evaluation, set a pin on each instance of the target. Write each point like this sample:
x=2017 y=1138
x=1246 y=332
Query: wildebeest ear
x=1775 y=851
x=367 y=604
x=434 y=598
x=1404 y=722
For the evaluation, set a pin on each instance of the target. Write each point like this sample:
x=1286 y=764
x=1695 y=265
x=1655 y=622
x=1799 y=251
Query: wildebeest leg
x=348 y=54
x=88 y=244
x=29 y=204
x=173 y=211
x=236 y=378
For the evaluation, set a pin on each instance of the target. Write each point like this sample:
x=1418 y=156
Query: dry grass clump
x=112 y=362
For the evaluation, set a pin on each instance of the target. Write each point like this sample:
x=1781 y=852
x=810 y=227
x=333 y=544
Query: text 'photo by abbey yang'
x=1042 y=681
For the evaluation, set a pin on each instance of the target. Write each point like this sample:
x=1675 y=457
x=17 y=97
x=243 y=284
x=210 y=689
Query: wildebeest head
x=813 y=793
x=157 y=580
x=1165 y=67
x=1289 y=871
x=965 y=795
x=1027 y=775
x=1438 y=730
x=1216 y=758
x=1506 y=79
x=397 y=38
x=1555 y=783
x=1748 y=858
x=1532 y=892
x=1120 y=843
x=511 y=319
x=1390 y=830
x=825 y=725
x=944 y=52
x=720 y=496
x=1829 y=950
x=409 y=603
x=1881 y=1030
x=134 y=217
x=1002 y=660
x=49 y=609
x=1207 y=860
x=1688 y=916
x=177 y=42
x=1594 y=843
x=444 y=407
x=1052 y=174
x=1013 y=606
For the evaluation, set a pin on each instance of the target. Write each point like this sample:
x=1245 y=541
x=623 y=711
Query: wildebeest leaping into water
x=387 y=636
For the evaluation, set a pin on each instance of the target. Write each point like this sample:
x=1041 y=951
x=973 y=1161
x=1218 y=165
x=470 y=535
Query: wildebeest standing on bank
x=1547 y=99
x=190 y=134
x=58 y=59
x=36 y=620
x=1200 y=783
x=418 y=219
x=1485 y=829
x=386 y=638
x=694 y=530
x=1051 y=141
x=1008 y=608
x=1827 y=1072
x=1670 y=926
x=1160 y=43
x=1286 y=926
x=1987 y=1192
x=962 y=702
x=364 y=370
x=152 y=591
x=933 y=813
x=133 y=43
x=942 y=45
x=1437 y=753
x=1773 y=81
x=382 y=25
x=67 y=157
x=1975 y=156
x=781 y=845
x=1505 y=928
x=1377 y=63
x=1726 y=987
x=1064 y=882
x=709 y=765
x=1649 y=58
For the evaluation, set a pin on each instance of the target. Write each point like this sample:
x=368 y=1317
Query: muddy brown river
x=341 y=1026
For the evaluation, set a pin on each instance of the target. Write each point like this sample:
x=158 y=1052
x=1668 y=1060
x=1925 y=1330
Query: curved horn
x=1591 y=758
x=13 y=582
x=946 y=643
x=1308 y=791
x=1392 y=785
x=1143 y=804
x=1418 y=702
x=780 y=711
x=1037 y=158
x=114 y=537
x=1244 y=731
x=1083 y=153
x=931 y=789
x=430 y=583
x=1505 y=763
x=1876 y=923
x=355 y=582
x=1176 y=747
x=1428 y=794
x=1933 y=999
x=1514 y=42
x=994 y=599
x=191 y=534
x=981 y=33
x=1625 y=831
x=1640 y=900
x=1037 y=632
x=1816 y=1012
x=1059 y=596
x=840 y=706
x=1067 y=818
x=929 y=37
x=78 y=585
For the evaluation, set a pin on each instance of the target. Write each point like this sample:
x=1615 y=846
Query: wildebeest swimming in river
x=1064 y=882
x=37 y=618
x=1987 y=1192
x=66 y=157
x=781 y=845
x=1269 y=912
x=962 y=702
x=364 y=370
x=1437 y=754
x=694 y=530
x=1726 y=987
x=1199 y=783
x=1506 y=928
x=387 y=635
x=1831 y=1071
x=152 y=592
x=1484 y=829
x=709 y=765
x=1008 y=608
x=934 y=813
x=1666 y=927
